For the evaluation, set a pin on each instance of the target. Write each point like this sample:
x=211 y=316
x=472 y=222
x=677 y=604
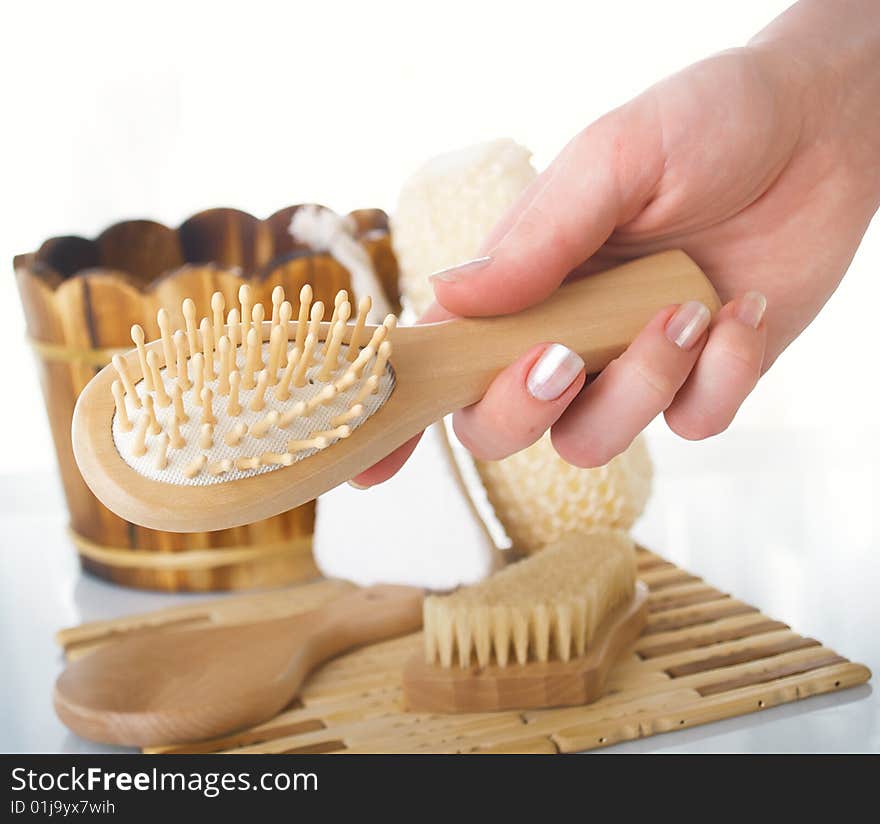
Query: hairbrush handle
x=597 y=316
x=363 y=617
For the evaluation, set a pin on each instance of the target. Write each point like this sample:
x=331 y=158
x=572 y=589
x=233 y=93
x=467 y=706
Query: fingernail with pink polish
x=553 y=372
x=751 y=309
x=461 y=271
x=357 y=485
x=688 y=323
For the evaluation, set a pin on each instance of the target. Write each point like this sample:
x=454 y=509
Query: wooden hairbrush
x=234 y=419
x=192 y=684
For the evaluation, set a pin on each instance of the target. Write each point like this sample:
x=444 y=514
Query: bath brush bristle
x=548 y=606
x=227 y=395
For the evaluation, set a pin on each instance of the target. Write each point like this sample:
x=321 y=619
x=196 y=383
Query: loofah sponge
x=447 y=208
x=538 y=497
x=444 y=212
x=547 y=606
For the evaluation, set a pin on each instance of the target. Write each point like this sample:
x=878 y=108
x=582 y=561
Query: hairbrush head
x=214 y=404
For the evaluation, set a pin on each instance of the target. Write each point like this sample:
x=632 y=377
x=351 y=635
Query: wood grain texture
x=748 y=663
x=80 y=298
x=203 y=682
x=432 y=688
x=438 y=367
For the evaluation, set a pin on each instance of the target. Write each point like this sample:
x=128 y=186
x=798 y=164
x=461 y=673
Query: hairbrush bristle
x=549 y=605
x=229 y=399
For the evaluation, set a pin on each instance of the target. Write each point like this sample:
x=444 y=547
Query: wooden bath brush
x=235 y=417
x=543 y=632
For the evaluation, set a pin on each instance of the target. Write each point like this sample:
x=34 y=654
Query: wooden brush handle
x=363 y=617
x=597 y=316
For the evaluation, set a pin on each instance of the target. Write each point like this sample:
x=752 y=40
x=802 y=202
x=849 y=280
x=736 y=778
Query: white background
x=121 y=110
x=116 y=110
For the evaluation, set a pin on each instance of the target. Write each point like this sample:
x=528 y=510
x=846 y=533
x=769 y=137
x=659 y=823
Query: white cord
x=325 y=231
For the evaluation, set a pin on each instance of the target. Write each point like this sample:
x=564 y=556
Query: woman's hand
x=762 y=163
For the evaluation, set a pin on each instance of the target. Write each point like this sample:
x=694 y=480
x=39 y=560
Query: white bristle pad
x=275 y=440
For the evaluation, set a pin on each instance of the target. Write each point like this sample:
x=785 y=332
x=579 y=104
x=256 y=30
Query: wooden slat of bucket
x=61 y=382
x=108 y=301
x=228 y=237
x=143 y=248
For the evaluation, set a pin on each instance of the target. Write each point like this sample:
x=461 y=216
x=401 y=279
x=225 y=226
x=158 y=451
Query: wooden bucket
x=80 y=300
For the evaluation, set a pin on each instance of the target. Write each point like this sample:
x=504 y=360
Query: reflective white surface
x=787 y=521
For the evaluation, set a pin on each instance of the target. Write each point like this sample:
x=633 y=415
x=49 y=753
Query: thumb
x=601 y=180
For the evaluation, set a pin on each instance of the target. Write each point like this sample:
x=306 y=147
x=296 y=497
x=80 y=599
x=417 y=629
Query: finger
x=522 y=403
x=600 y=180
x=510 y=217
x=435 y=313
x=389 y=465
x=727 y=371
x=631 y=391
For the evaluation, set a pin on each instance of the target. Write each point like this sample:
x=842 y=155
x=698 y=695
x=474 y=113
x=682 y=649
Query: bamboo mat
x=703 y=656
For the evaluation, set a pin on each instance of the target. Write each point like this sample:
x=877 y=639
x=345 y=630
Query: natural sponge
x=445 y=211
x=546 y=606
x=447 y=208
x=538 y=497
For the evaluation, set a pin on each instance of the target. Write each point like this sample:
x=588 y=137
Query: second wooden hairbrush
x=223 y=423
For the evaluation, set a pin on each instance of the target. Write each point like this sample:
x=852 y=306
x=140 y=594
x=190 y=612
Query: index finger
x=602 y=179
x=391 y=464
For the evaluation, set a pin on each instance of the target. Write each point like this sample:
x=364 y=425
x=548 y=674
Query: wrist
x=821 y=58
